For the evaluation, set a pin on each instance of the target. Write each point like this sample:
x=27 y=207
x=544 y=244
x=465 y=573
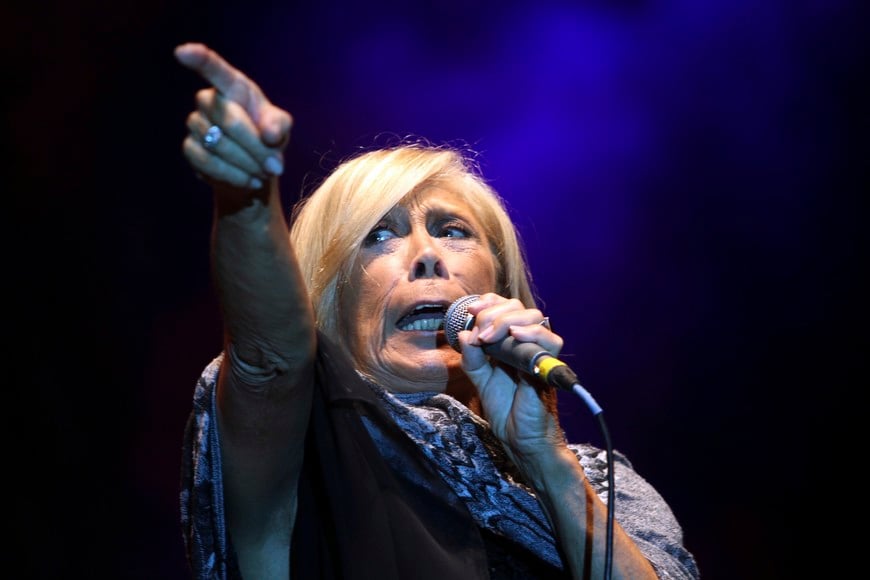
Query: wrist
x=549 y=468
x=244 y=202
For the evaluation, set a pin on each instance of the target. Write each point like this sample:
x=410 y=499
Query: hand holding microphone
x=528 y=357
x=531 y=358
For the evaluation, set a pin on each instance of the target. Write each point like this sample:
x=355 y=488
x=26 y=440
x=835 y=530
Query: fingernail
x=256 y=183
x=273 y=165
x=484 y=335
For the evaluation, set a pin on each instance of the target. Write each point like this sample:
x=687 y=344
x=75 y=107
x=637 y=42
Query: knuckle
x=204 y=98
x=193 y=120
x=488 y=297
x=190 y=149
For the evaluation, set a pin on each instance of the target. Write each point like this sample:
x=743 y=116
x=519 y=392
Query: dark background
x=687 y=178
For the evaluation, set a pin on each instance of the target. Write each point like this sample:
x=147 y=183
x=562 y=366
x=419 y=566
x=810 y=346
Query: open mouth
x=423 y=317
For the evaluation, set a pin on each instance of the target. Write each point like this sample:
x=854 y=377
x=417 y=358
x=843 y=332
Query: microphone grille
x=458 y=319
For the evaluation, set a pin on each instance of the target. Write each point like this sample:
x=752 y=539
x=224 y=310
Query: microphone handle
x=531 y=358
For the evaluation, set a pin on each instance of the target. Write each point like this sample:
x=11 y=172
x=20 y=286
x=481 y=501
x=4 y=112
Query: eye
x=454 y=229
x=379 y=234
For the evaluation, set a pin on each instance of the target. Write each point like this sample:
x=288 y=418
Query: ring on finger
x=212 y=137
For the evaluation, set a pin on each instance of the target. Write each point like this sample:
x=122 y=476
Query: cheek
x=482 y=270
x=362 y=303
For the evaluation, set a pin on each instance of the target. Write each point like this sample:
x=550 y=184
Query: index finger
x=218 y=72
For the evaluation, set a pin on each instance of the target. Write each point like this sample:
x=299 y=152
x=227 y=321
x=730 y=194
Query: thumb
x=474 y=361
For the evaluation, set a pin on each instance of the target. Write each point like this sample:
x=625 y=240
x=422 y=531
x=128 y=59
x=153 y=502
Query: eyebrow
x=440 y=207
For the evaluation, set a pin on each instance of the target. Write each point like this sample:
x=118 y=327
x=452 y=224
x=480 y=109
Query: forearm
x=579 y=519
x=267 y=314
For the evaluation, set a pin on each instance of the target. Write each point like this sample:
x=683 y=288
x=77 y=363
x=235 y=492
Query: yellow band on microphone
x=546 y=364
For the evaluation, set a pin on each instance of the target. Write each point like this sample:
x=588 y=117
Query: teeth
x=424 y=317
x=424 y=324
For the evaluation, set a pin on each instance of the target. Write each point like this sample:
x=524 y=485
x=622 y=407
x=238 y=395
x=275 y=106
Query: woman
x=339 y=434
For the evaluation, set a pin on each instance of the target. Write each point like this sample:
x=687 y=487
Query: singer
x=337 y=435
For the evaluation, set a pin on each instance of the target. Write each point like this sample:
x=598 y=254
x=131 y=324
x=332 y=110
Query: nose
x=426 y=259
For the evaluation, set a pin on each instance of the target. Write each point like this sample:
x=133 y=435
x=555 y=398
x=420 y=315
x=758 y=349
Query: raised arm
x=265 y=382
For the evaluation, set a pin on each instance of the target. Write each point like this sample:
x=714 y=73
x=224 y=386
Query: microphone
x=525 y=356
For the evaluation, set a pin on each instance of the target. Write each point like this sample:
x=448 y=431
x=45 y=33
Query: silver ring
x=212 y=137
x=546 y=323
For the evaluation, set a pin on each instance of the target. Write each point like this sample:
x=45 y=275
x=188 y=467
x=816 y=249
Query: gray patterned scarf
x=474 y=464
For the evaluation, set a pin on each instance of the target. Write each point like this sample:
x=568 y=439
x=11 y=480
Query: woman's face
x=425 y=253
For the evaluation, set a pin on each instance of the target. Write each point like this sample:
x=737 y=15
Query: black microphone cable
x=558 y=374
x=534 y=360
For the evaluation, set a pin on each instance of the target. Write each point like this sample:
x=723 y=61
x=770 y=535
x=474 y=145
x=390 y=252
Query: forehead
x=436 y=199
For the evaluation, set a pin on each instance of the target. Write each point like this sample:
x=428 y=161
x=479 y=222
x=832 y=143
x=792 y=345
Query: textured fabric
x=202 y=502
x=395 y=486
x=473 y=462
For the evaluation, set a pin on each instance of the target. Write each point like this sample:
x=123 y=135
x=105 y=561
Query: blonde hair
x=328 y=226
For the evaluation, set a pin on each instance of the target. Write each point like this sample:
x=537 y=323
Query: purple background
x=686 y=177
